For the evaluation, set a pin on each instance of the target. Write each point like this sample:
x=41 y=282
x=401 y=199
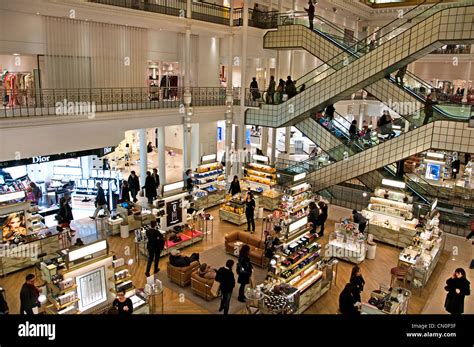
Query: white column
x=287 y=140
x=161 y=155
x=264 y=140
x=143 y=155
x=188 y=112
x=240 y=140
x=468 y=77
x=274 y=139
x=229 y=116
x=195 y=150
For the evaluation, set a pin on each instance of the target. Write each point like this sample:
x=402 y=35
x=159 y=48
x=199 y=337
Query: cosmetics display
x=387 y=300
x=295 y=202
x=347 y=243
x=260 y=177
x=208 y=178
x=233 y=210
x=271 y=199
x=423 y=254
x=466 y=180
x=391 y=220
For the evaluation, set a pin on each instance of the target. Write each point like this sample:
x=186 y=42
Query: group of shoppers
x=131 y=187
x=318 y=214
x=276 y=93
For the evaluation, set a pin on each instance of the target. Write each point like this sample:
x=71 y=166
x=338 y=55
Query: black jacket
x=179 y=261
x=323 y=216
x=226 y=278
x=244 y=270
x=125 y=194
x=65 y=212
x=271 y=244
x=156 y=177
x=454 y=303
x=346 y=304
x=250 y=207
x=234 y=188
x=156 y=242
x=359 y=218
x=358 y=283
x=329 y=112
x=133 y=183
x=313 y=216
x=100 y=198
x=28 y=299
x=150 y=187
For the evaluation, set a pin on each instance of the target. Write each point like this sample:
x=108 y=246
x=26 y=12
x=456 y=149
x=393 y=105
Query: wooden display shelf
x=58 y=306
x=293 y=276
x=118 y=268
x=300 y=260
x=60 y=291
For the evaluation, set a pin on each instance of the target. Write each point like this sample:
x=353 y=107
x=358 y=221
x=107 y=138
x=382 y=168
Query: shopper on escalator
x=401 y=75
x=254 y=89
x=271 y=91
x=429 y=102
x=329 y=112
x=310 y=11
x=353 y=132
x=385 y=125
x=280 y=91
x=290 y=88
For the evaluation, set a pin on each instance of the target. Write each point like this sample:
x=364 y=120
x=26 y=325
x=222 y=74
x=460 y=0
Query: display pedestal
x=124 y=231
x=210 y=200
x=401 y=238
x=271 y=203
x=312 y=294
x=232 y=217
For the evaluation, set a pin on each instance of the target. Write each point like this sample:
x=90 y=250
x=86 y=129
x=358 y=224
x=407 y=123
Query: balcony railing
x=453 y=49
x=175 y=8
x=48 y=102
x=210 y=13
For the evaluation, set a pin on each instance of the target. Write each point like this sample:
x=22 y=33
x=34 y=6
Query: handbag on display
x=216 y=286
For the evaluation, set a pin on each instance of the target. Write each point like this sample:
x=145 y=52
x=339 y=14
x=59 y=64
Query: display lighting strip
x=393 y=183
x=299 y=177
x=12 y=196
x=298 y=224
x=209 y=157
x=262 y=158
x=435 y=161
x=173 y=186
x=87 y=250
x=435 y=155
x=300 y=186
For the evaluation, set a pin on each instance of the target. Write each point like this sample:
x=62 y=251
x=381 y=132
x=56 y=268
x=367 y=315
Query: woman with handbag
x=244 y=270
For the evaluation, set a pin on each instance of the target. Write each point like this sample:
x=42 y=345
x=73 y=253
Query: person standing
x=134 y=185
x=280 y=90
x=458 y=287
x=290 y=88
x=358 y=218
x=100 y=202
x=188 y=180
x=429 y=102
x=156 y=178
x=358 y=283
x=313 y=216
x=310 y=11
x=353 y=131
x=65 y=211
x=244 y=270
x=455 y=167
x=225 y=277
x=347 y=302
x=149 y=147
x=122 y=304
x=254 y=89
x=250 y=212
x=322 y=217
x=150 y=187
x=155 y=245
x=271 y=90
x=329 y=112
x=3 y=303
x=29 y=295
x=400 y=75
x=235 y=186
x=125 y=192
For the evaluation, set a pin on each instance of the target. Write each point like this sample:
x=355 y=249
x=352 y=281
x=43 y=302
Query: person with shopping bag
x=225 y=281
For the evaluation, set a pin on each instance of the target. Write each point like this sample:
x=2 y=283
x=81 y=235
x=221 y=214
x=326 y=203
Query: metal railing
x=212 y=13
x=175 y=8
x=45 y=102
x=453 y=49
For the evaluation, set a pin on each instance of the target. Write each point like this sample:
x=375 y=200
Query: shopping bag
x=215 y=288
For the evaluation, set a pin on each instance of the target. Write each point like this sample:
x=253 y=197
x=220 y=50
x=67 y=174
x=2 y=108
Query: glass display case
x=347 y=243
x=233 y=210
x=295 y=202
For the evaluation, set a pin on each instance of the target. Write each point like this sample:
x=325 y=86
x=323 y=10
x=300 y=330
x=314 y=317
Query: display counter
x=422 y=257
x=387 y=301
x=346 y=243
x=271 y=199
x=210 y=199
x=233 y=211
x=388 y=229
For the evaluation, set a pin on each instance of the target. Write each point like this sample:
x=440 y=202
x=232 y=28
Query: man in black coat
x=310 y=11
x=100 y=202
x=133 y=185
x=156 y=177
x=29 y=295
x=155 y=245
x=150 y=187
x=225 y=277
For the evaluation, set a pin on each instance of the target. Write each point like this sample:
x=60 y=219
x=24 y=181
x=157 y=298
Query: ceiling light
x=37 y=13
x=16 y=54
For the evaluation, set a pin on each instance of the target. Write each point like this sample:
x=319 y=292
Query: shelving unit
x=260 y=177
x=208 y=177
x=233 y=211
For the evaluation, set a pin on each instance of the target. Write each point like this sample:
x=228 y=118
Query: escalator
x=349 y=73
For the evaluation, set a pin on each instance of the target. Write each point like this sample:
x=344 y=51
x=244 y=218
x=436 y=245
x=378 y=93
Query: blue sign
x=219 y=134
x=247 y=137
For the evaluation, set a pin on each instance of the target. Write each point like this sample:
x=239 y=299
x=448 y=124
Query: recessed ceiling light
x=16 y=54
x=37 y=13
x=87 y=19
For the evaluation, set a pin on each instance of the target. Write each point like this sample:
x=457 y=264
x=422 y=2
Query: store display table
x=348 y=251
x=232 y=217
x=270 y=203
x=210 y=200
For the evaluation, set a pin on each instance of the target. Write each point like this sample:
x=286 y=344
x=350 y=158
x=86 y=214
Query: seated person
x=177 y=260
x=205 y=271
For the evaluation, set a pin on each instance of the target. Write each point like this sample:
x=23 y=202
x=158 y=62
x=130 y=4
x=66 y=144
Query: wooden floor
x=375 y=272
